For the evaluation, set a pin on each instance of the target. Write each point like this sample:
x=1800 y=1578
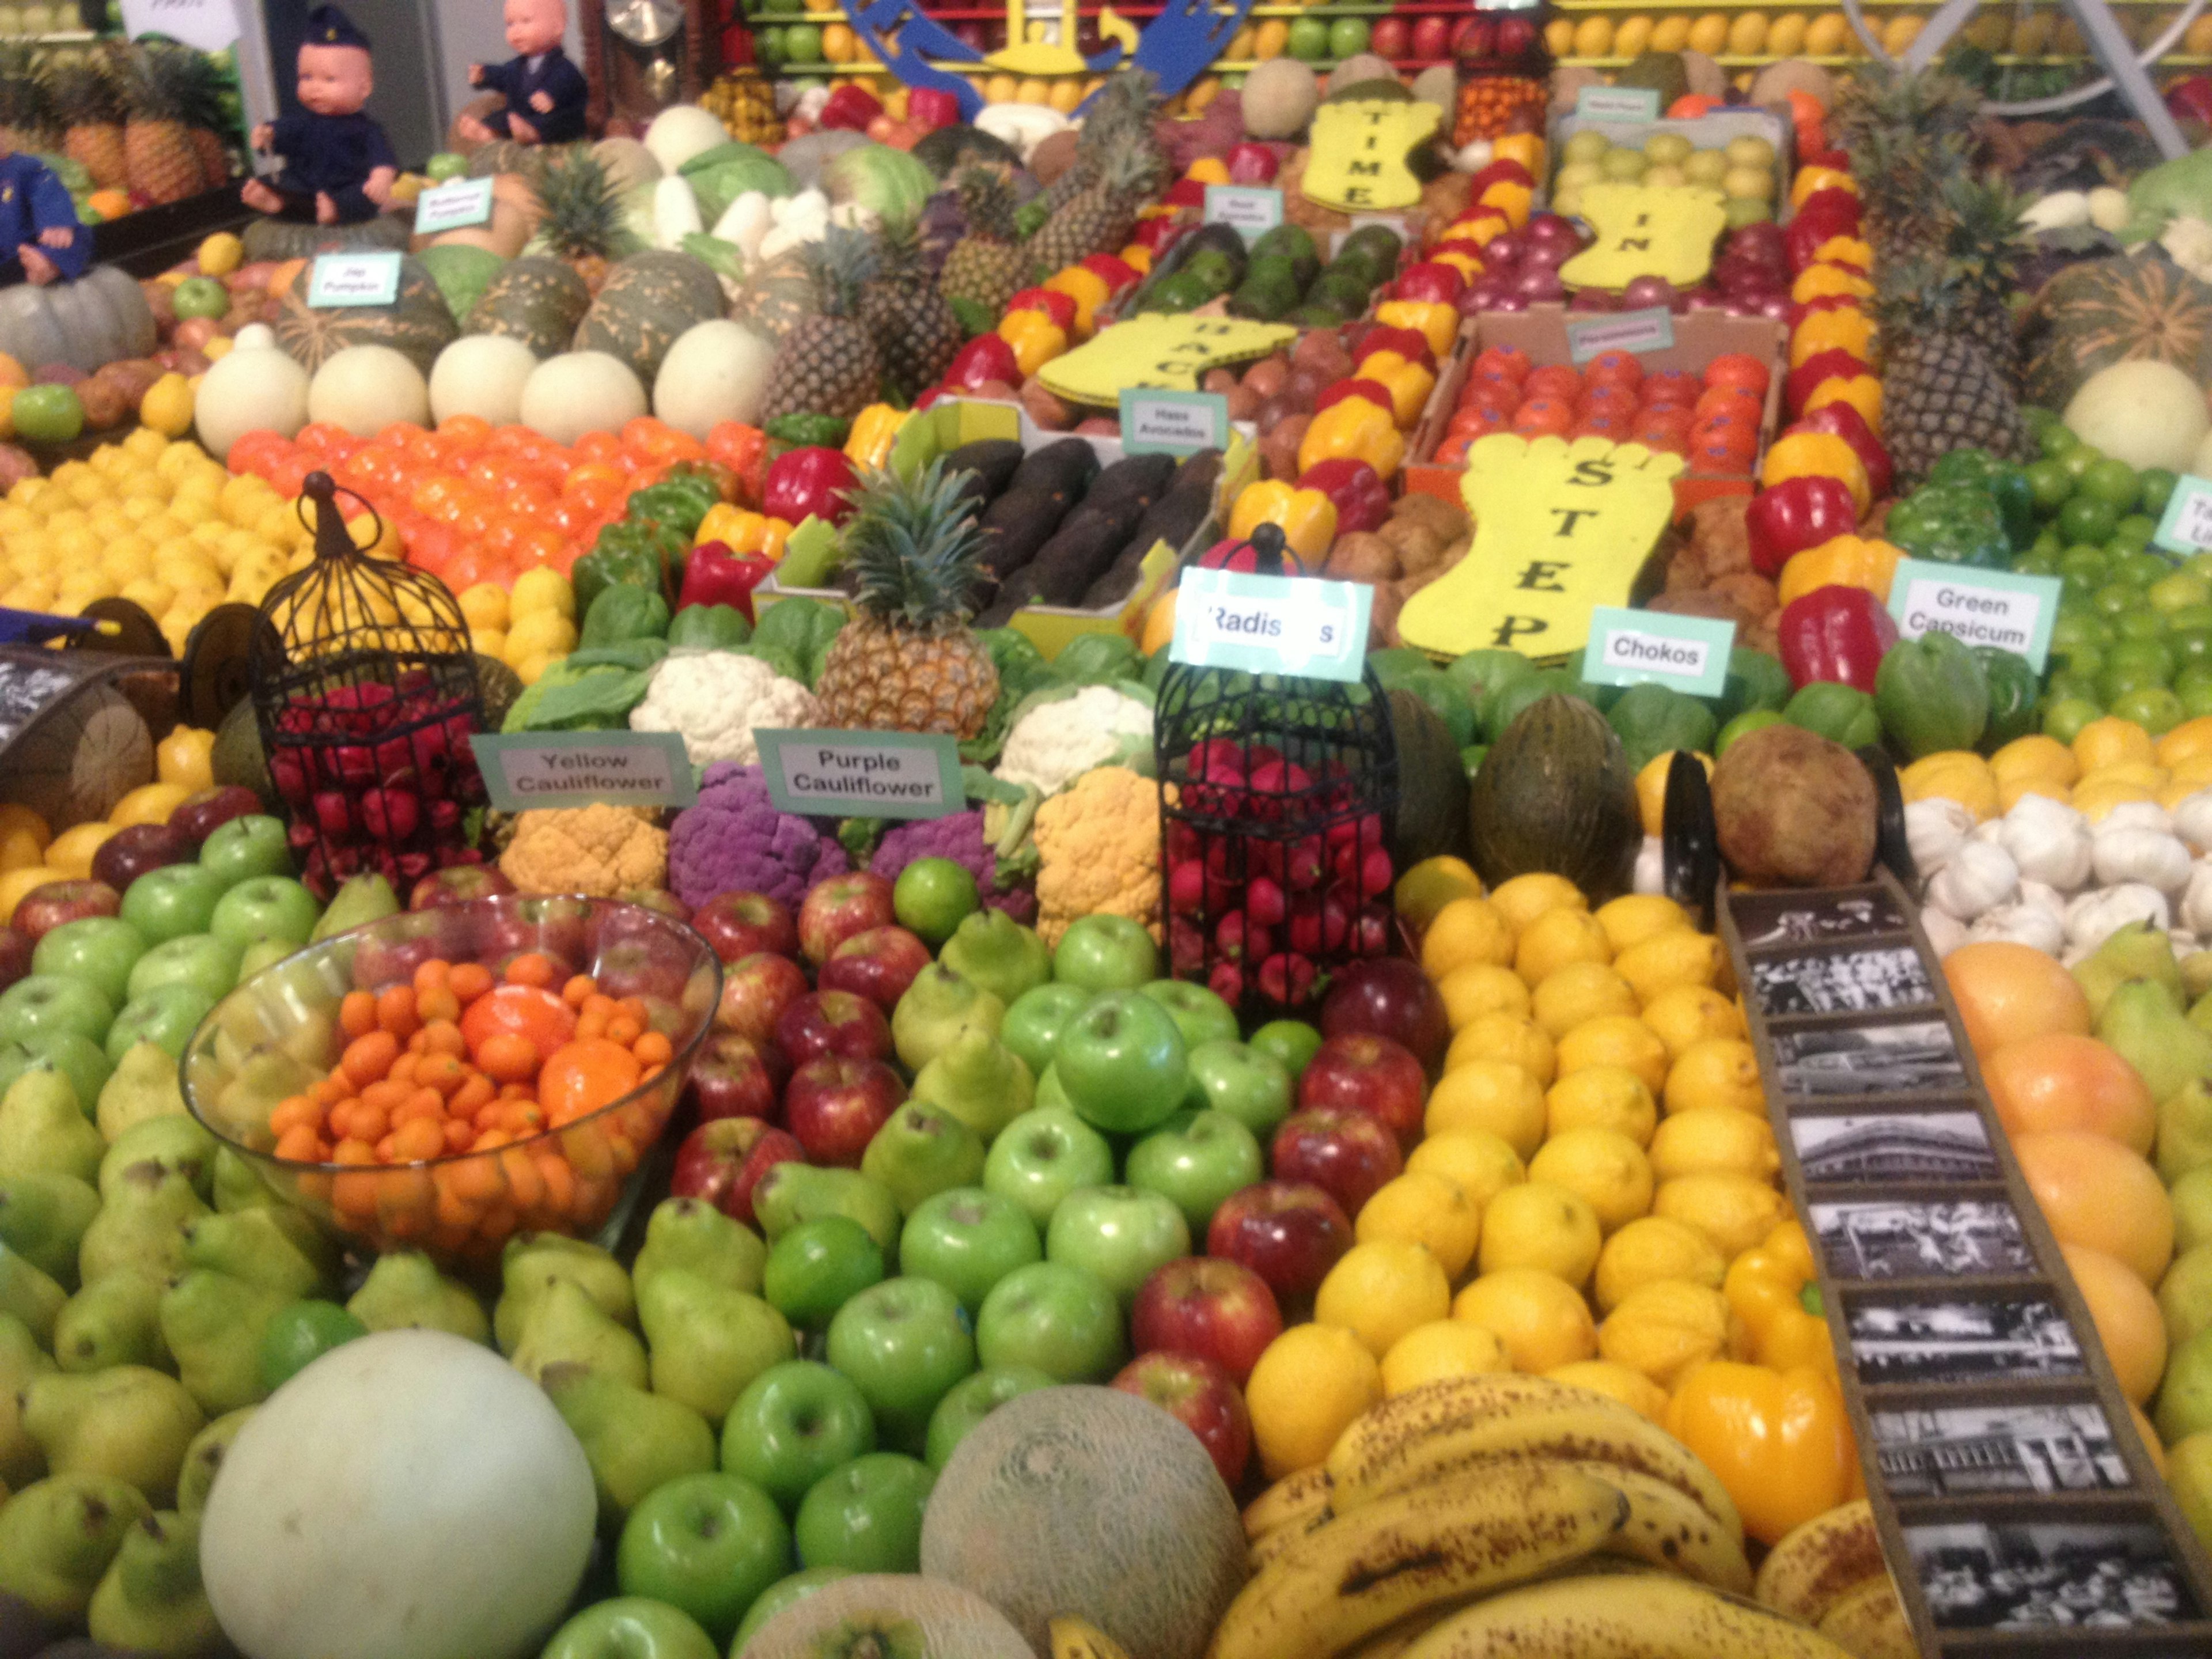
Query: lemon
x=2109 y=741
x=544 y=589
x=1480 y=1164
x=1308 y=1385
x=1432 y=884
x=1578 y=992
x=1746 y=35
x=1524 y=898
x=1899 y=32
x=1503 y=1036
x=1482 y=988
x=1716 y=1071
x=20 y=850
x=1541 y=1318
x=1633 y=38
x=1606 y=1168
x=1615 y=1040
x=1708 y=34
x=1424 y=1208
x=1715 y=1141
x=1556 y=939
x=1658 y=964
x=1652 y=1247
x=18 y=819
x=489 y=641
x=1466 y=931
x=1634 y=917
x=1787 y=38
x=1593 y=37
x=1632 y=1389
x=1733 y=1211
x=150 y=593
x=1663 y=1329
x=1382 y=1288
x=1442 y=1349
x=1540 y=1224
x=1670 y=34
x=1497 y=1096
x=485 y=606
x=1688 y=1014
x=1601 y=1097
x=545 y=632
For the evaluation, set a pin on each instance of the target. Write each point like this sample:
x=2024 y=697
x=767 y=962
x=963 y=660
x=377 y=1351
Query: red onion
x=1593 y=299
x=1509 y=302
x=1539 y=282
x=1648 y=293
x=1775 y=306
x=1551 y=230
x=1503 y=249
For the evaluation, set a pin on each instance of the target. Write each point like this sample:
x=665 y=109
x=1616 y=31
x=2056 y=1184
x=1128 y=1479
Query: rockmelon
x=365 y=388
x=250 y=389
x=2145 y=413
x=1279 y=97
x=581 y=392
x=481 y=374
x=1089 y=1503
x=882 y=1615
x=716 y=371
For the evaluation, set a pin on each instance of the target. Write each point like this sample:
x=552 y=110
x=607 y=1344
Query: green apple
x=1194 y=1160
x=792 y=1587
x=265 y=906
x=1243 y=1079
x=75 y=1056
x=818 y=1266
x=794 y=1424
x=1104 y=953
x=1055 y=1318
x=165 y=1016
x=46 y=1005
x=1291 y=1040
x=98 y=950
x=865 y=1516
x=1042 y=1156
x=243 y=849
x=1124 y=1063
x=631 y=1627
x=975 y=1400
x=1347 y=37
x=933 y=897
x=1039 y=1015
x=708 y=1544
x=968 y=1239
x=173 y=900
x=1118 y=1235
x=1199 y=1015
x=904 y=1343
x=206 y=961
x=1308 y=41
x=298 y=1335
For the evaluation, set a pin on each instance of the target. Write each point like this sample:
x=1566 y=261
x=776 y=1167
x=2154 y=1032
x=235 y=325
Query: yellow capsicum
x=1809 y=179
x=1846 y=251
x=1306 y=516
x=1766 y=1288
x=1844 y=329
x=1408 y=384
x=1513 y=200
x=1432 y=319
x=1816 y=455
x=742 y=531
x=1353 y=430
x=1089 y=291
x=1818 y=281
x=1862 y=391
x=1036 y=338
x=1525 y=148
x=1841 y=562
x=1467 y=265
x=1137 y=257
x=875 y=428
x=1778 y=1440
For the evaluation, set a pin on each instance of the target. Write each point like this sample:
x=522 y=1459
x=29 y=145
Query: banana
x=1269 y=1545
x=1295 y=1498
x=1870 y=1622
x=1621 y=1616
x=1670 y=1531
x=1390 y=1642
x=1416 y=1549
x=1816 y=1565
x=1472 y=1418
x=1072 y=1638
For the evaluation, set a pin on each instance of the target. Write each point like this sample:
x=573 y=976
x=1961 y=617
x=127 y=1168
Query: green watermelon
x=538 y=300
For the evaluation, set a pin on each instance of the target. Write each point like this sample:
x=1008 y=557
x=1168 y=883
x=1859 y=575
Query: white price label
x=1624 y=331
x=885 y=775
x=453 y=206
x=623 y=769
x=354 y=279
x=1978 y=607
x=209 y=25
x=1271 y=625
x=1251 y=210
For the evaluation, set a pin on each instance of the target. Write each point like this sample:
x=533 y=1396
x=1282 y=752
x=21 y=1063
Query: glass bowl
x=277 y=1035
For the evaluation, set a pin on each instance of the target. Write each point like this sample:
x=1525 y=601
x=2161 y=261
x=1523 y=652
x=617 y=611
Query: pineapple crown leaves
x=155 y=81
x=914 y=547
x=842 y=264
x=581 y=215
x=82 y=91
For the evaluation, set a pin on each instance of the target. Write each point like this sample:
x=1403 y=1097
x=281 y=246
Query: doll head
x=335 y=74
x=535 y=25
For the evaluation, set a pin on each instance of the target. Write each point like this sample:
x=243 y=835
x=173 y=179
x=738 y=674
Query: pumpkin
x=250 y=389
x=1555 y=793
x=777 y=296
x=1089 y=1502
x=581 y=392
x=515 y=215
x=2145 y=413
x=716 y=371
x=416 y=324
x=1431 y=819
x=892 y=1613
x=648 y=299
x=536 y=300
x=281 y=238
x=2102 y=312
x=481 y=374
x=101 y=317
x=461 y=273
x=365 y=388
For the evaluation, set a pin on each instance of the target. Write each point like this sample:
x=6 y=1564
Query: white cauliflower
x=714 y=700
x=1057 y=742
x=2189 y=239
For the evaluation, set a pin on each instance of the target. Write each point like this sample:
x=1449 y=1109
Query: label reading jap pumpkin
x=1647 y=230
x=1358 y=158
x=353 y=279
x=1157 y=353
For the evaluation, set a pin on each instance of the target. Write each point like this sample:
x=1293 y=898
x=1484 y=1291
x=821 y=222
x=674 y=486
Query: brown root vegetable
x=1699 y=602
x=1243 y=402
x=1279 y=445
x=194 y=332
x=1794 y=809
x=1447 y=519
x=1219 y=379
x=1044 y=407
x=1750 y=592
x=1266 y=377
x=133 y=376
x=1272 y=411
x=105 y=405
x=1098 y=425
x=1307 y=383
x=1361 y=557
x=1053 y=156
x=161 y=300
x=1382 y=620
x=1718 y=529
x=16 y=465
x=191 y=361
x=1323 y=353
x=1417 y=546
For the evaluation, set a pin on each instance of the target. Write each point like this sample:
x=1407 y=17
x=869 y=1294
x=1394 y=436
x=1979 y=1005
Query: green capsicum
x=630 y=552
x=1951 y=524
x=1932 y=694
x=2014 y=696
x=2002 y=481
x=1756 y=680
x=1651 y=719
x=1842 y=714
x=807 y=432
x=709 y=627
x=679 y=501
x=624 y=612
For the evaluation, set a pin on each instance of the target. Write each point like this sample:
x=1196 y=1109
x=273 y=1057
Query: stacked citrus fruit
x=2111 y=761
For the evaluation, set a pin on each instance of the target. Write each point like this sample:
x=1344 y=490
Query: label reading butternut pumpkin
x=1357 y=158
x=1559 y=528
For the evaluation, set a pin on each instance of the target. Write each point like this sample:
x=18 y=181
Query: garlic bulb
x=1650 y=866
x=2150 y=856
x=2044 y=898
x=2197 y=898
x=2136 y=815
x=2192 y=820
x=2021 y=924
x=2095 y=916
x=1980 y=876
x=1934 y=829
x=1946 y=933
x=2049 y=840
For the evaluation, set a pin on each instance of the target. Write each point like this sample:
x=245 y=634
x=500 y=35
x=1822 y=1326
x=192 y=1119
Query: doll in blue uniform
x=40 y=240
x=545 y=93
x=339 y=166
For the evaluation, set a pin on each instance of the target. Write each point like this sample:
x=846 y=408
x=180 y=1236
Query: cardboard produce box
x=1712 y=131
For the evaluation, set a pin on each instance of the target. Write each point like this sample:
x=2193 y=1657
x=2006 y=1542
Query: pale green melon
x=876 y=1615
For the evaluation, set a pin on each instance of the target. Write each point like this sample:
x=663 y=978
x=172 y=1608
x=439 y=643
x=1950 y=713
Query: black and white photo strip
x=1966 y=1339
x=1892 y=1057
x=1921 y=1239
x=1763 y=920
x=1853 y=1149
x=1875 y=980
x=2010 y=1450
x=2083 y=1574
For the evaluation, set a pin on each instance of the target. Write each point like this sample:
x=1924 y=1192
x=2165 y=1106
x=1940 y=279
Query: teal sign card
x=1271 y=625
x=1981 y=607
x=578 y=769
x=1172 y=423
x=1629 y=647
x=875 y=774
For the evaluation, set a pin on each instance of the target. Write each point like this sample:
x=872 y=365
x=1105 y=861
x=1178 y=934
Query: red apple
x=462 y=883
x=45 y=908
x=1475 y=36
x=1289 y=1233
x=756 y=990
x=659 y=900
x=1371 y=1074
x=199 y=815
x=1431 y=38
x=836 y=909
x=645 y=965
x=877 y=964
x=841 y=1022
x=1516 y=36
x=557 y=927
x=737 y=924
x=736 y=1077
x=1391 y=998
x=1251 y=163
x=1202 y=1398
x=1345 y=1152
x=15 y=950
x=1387 y=39
x=723 y=1161
x=129 y=853
x=835 y=1105
x=1209 y=1306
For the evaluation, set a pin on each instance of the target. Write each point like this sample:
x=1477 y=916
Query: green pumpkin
x=1555 y=793
x=2103 y=311
x=777 y=296
x=461 y=272
x=281 y=239
x=100 y=317
x=417 y=323
x=536 y=300
x=648 y=300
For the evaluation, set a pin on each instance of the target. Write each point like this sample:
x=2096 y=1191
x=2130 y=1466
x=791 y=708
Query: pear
x=937 y=1007
x=204 y=1458
x=2196 y=969
x=2185 y=1131
x=57 y=1539
x=795 y=1191
x=980 y=1081
x=213 y=1324
x=181 y=1144
x=565 y=1325
x=30 y=1295
x=42 y=1130
x=2185 y=1295
x=693 y=1235
x=920 y=1151
x=140 y=1226
x=115 y=1321
x=21 y=1360
x=143 y=1086
x=533 y=1261
x=362 y=899
x=404 y=1291
x=635 y=1440
x=151 y=1600
x=236 y=1186
x=708 y=1342
x=2142 y=1022
x=43 y=1219
x=998 y=954
x=255 y=1246
x=2137 y=952
x=133 y=1422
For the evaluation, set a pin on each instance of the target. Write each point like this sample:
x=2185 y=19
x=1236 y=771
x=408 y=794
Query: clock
x=644 y=22
x=641 y=56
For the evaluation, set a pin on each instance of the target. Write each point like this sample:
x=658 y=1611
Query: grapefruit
x=2063 y=1081
x=2097 y=1193
x=2007 y=993
x=2127 y=1318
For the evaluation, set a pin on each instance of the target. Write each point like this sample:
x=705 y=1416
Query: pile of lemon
x=2025 y=32
x=32 y=855
x=530 y=629
x=2111 y=762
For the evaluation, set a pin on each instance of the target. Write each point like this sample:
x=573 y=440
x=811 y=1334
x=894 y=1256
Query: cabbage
x=889 y=183
x=727 y=172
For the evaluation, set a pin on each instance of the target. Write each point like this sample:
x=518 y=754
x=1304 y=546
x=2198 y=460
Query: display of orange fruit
x=2007 y=993
x=2063 y=1081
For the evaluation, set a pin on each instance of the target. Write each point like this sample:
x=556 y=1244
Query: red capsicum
x=1501 y=171
x=1845 y=421
x=1795 y=514
x=809 y=482
x=1060 y=307
x=713 y=574
x=1408 y=342
x=1373 y=392
x=982 y=359
x=1833 y=364
x=850 y=108
x=1160 y=234
x=1361 y=499
x=1838 y=633
x=1186 y=192
x=929 y=107
x=1117 y=274
x=1428 y=281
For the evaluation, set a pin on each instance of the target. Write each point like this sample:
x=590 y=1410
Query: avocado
x=1292 y=240
x=1657 y=71
x=1213 y=267
x=1263 y=298
x=1319 y=313
x=237 y=757
x=1382 y=242
x=1342 y=289
x=1179 y=293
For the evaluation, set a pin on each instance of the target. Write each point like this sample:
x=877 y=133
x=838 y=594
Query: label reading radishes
x=354 y=279
x=621 y=768
x=456 y=206
x=1271 y=625
x=879 y=774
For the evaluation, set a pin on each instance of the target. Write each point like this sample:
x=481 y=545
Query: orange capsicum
x=1845 y=329
x=1809 y=179
x=1817 y=455
x=1766 y=1291
x=1353 y=430
x=742 y=531
x=1306 y=516
x=1408 y=384
x=1433 y=320
x=875 y=429
x=1036 y=338
x=1779 y=1441
x=1846 y=251
x=1862 y=391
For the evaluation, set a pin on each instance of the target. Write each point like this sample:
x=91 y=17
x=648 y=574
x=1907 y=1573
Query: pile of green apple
x=1742 y=170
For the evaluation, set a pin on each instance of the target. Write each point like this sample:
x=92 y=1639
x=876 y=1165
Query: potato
x=1219 y=379
x=194 y=332
x=1718 y=531
x=1382 y=621
x=1750 y=592
x=16 y=465
x=1362 y=556
x=1324 y=354
x=1447 y=519
x=1044 y=407
x=1243 y=402
x=1794 y=809
x=1417 y=546
x=1266 y=377
x=132 y=376
x=1279 y=445
x=105 y=405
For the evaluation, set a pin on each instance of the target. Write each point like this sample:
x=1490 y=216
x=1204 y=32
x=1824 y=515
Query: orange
x=525 y=1011
x=2006 y=993
x=2096 y=1193
x=583 y=1076
x=1541 y=1318
x=2063 y=1081
x=2127 y=1318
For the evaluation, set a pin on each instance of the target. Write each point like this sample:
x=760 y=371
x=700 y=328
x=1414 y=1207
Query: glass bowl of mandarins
x=445 y=1079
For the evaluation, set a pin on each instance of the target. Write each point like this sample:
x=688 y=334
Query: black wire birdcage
x=1275 y=826
x=366 y=694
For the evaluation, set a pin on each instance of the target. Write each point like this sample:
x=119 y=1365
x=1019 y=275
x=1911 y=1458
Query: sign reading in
x=1628 y=647
x=354 y=279
x=1173 y=422
x=1981 y=607
x=622 y=769
x=1271 y=625
x=877 y=774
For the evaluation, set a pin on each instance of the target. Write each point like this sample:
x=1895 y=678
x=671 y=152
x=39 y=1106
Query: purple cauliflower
x=735 y=840
x=959 y=837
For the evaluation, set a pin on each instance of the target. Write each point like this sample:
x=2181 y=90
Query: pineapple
x=827 y=363
x=210 y=110
x=1906 y=134
x=1983 y=242
x=1943 y=388
x=581 y=219
x=908 y=661
x=84 y=100
x=159 y=158
x=26 y=120
x=989 y=264
x=1120 y=116
x=1099 y=218
x=916 y=334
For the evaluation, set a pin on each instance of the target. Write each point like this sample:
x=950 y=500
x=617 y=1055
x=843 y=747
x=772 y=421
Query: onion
x=1504 y=249
x=1539 y=282
x=1645 y=293
x=1552 y=230
x=1593 y=299
x=1775 y=306
x=1509 y=302
x=1546 y=255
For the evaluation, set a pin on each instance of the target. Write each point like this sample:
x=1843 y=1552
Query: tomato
x=1543 y=415
x=1616 y=367
x=1670 y=386
x=470 y=429
x=1602 y=423
x=1555 y=378
x=1738 y=369
x=521 y=1011
x=1723 y=449
x=1664 y=421
x=1508 y=364
x=1611 y=396
x=580 y=1076
x=1727 y=397
x=258 y=451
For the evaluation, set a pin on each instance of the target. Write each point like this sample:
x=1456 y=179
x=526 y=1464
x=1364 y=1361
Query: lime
x=2119 y=680
x=2072 y=682
x=2082 y=568
x=2051 y=482
x=2056 y=442
x=2136 y=531
x=1347 y=37
x=2157 y=490
x=299 y=1333
x=2073 y=629
x=932 y=896
x=2194 y=688
x=2141 y=625
x=1750 y=720
x=2048 y=543
x=2176 y=591
x=2078 y=461
x=2064 y=718
x=2117 y=599
x=2189 y=617
x=2035 y=564
x=2113 y=482
x=2153 y=707
x=2192 y=647
x=2086 y=518
x=802 y=43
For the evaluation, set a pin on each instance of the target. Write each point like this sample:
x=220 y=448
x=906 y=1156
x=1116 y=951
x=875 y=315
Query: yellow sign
x=1559 y=527
x=1647 y=230
x=1157 y=353
x=1357 y=163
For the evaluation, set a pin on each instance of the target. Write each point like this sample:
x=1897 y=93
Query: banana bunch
x=1829 y=1573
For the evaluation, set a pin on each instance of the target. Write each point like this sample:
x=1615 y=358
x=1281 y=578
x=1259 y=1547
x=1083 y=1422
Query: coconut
x=1703 y=76
x=1774 y=83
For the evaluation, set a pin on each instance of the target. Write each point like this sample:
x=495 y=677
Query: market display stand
x=2018 y=1509
x=153 y=240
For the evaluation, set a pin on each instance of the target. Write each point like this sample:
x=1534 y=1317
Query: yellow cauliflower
x=1098 y=847
x=595 y=850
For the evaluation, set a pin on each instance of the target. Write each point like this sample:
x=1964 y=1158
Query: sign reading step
x=1271 y=625
x=620 y=769
x=876 y=774
x=1981 y=607
x=1251 y=210
x=1173 y=422
x=453 y=206
x=354 y=279
x=1628 y=647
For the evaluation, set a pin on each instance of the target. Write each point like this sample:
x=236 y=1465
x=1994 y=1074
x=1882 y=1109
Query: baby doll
x=339 y=166
x=545 y=93
x=40 y=240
